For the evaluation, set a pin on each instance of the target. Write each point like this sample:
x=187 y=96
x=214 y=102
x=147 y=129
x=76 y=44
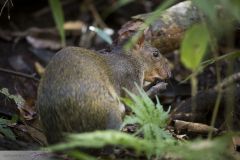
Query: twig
x=227 y=81
x=152 y=92
x=96 y=15
x=19 y=74
x=5 y=5
x=193 y=127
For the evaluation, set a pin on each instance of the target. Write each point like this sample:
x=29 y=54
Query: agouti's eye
x=156 y=53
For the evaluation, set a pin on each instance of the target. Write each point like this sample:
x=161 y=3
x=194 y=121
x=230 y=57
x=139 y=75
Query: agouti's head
x=156 y=65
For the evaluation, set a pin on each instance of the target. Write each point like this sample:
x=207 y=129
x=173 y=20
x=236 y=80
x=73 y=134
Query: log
x=167 y=31
x=205 y=102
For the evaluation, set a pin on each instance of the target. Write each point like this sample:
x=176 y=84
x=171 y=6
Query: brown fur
x=80 y=89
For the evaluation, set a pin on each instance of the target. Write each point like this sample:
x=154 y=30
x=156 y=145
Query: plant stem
x=219 y=96
x=194 y=86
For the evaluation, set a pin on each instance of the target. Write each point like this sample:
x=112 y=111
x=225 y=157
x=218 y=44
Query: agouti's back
x=76 y=94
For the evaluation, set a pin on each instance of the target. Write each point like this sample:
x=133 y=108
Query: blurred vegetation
x=157 y=141
x=58 y=18
x=151 y=118
x=219 y=20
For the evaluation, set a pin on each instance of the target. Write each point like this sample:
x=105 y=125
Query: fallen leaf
x=27 y=110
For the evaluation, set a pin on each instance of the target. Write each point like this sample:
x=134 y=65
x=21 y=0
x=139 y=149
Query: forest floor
x=28 y=39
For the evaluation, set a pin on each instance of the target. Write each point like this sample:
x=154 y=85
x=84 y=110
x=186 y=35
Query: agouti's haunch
x=80 y=89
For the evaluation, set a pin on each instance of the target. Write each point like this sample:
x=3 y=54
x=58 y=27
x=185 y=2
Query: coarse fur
x=80 y=89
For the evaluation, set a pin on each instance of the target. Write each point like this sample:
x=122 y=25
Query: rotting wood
x=167 y=31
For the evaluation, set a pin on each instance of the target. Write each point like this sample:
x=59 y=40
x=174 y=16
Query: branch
x=24 y=75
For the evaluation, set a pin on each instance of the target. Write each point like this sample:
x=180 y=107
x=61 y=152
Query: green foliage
x=99 y=139
x=58 y=18
x=80 y=155
x=204 y=64
x=230 y=56
x=151 y=19
x=197 y=150
x=204 y=149
x=197 y=37
x=234 y=5
x=16 y=98
x=151 y=146
x=5 y=130
x=151 y=118
x=194 y=46
x=220 y=15
x=219 y=18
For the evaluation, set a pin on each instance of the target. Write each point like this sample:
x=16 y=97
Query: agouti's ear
x=140 y=42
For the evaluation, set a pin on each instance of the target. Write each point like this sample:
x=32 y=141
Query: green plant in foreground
x=58 y=16
x=16 y=98
x=19 y=101
x=197 y=150
x=193 y=49
x=156 y=142
x=151 y=118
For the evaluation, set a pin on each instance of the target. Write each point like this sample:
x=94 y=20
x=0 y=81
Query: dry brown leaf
x=74 y=25
x=39 y=68
x=32 y=133
x=27 y=110
x=43 y=38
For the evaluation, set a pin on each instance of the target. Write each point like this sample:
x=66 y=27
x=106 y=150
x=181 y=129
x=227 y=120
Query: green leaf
x=229 y=56
x=17 y=98
x=58 y=18
x=151 y=118
x=234 y=7
x=208 y=8
x=152 y=18
x=100 y=139
x=80 y=155
x=194 y=46
x=157 y=141
x=5 y=130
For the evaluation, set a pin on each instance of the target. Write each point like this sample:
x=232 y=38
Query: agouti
x=80 y=89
